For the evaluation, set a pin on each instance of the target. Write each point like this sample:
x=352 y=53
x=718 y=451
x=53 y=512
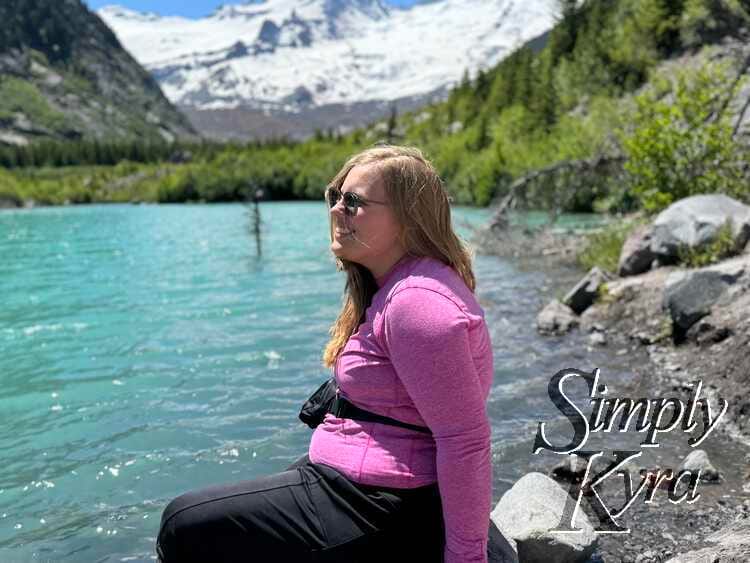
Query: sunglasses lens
x=351 y=202
x=333 y=197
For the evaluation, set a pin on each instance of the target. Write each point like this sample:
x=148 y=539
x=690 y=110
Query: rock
x=689 y=296
x=556 y=318
x=12 y=138
x=642 y=337
x=699 y=460
x=646 y=556
x=732 y=544
x=300 y=96
x=269 y=35
x=705 y=332
x=9 y=202
x=585 y=291
x=598 y=339
x=636 y=255
x=529 y=510
x=695 y=221
x=570 y=468
x=499 y=549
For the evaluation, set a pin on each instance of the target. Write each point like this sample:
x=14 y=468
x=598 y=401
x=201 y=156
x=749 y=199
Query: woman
x=410 y=343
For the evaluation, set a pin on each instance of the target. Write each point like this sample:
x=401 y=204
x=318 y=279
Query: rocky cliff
x=64 y=75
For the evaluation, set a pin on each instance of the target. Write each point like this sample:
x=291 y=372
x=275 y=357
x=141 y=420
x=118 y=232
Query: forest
x=597 y=119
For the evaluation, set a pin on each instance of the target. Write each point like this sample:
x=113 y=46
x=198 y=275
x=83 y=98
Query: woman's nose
x=338 y=209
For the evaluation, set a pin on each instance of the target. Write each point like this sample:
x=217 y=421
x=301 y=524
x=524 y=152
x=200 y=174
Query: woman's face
x=370 y=236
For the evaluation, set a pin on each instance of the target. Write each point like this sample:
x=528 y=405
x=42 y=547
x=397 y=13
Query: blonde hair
x=422 y=207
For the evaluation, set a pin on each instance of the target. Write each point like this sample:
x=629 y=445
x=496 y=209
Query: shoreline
x=660 y=530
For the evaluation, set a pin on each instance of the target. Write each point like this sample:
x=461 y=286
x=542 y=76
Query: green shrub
x=708 y=20
x=722 y=246
x=684 y=145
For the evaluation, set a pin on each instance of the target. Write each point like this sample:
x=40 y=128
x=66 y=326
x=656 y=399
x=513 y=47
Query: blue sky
x=192 y=9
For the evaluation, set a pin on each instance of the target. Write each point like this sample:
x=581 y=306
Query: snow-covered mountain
x=291 y=55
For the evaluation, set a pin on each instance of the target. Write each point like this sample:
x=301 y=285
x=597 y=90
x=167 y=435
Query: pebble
x=598 y=339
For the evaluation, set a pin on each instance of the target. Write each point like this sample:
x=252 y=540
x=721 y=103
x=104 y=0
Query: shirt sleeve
x=427 y=337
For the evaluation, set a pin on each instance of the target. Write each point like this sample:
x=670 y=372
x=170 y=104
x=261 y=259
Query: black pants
x=310 y=512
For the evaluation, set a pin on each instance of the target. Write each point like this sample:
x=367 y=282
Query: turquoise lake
x=148 y=350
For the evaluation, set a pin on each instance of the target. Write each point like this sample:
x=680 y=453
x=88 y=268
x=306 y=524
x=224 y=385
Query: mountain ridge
x=287 y=58
x=64 y=75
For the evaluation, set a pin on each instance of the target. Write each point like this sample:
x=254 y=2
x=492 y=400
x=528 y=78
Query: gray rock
x=570 y=468
x=556 y=318
x=269 y=34
x=8 y=202
x=732 y=543
x=646 y=556
x=636 y=255
x=598 y=339
x=695 y=221
x=573 y=467
x=12 y=138
x=301 y=96
x=705 y=332
x=585 y=291
x=642 y=337
x=529 y=510
x=689 y=296
x=699 y=460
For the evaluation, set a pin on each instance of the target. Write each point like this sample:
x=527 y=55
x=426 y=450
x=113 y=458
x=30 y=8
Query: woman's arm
x=426 y=335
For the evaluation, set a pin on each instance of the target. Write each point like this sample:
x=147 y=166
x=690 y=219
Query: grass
x=603 y=246
x=665 y=330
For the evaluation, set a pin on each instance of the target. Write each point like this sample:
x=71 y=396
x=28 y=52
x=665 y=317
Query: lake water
x=149 y=350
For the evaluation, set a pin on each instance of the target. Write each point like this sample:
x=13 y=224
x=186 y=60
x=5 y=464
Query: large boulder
x=499 y=549
x=529 y=510
x=695 y=221
x=556 y=318
x=585 y=292
x=698 y=460
x=636 y=255
x=689 y=295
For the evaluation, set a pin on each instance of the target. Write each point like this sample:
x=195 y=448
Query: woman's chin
x=338 y=249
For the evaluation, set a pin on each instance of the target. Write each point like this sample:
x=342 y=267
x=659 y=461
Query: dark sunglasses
x=352 y=201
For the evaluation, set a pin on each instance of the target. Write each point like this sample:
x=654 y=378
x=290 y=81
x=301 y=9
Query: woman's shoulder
x=430 y=279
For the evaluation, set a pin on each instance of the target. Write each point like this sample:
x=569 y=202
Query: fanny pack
x=326 y=399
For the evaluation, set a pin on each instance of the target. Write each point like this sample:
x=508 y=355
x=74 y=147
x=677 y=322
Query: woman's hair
x=421 y=205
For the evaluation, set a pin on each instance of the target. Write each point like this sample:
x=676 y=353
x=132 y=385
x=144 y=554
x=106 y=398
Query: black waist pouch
x=320 y=402
x=326 y=399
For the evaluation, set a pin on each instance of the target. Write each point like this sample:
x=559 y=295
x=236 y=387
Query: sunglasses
x=352 y=201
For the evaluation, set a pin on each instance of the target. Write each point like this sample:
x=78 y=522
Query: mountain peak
x=265 y=54
x=121 y=12
x=373 y=8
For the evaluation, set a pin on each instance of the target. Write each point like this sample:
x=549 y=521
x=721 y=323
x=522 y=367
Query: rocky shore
x=693 y=325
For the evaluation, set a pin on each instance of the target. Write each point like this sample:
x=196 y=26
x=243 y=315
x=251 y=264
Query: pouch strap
x=342 y=408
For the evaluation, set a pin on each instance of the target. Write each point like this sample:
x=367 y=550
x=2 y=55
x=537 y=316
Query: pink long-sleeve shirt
x=423 y=355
